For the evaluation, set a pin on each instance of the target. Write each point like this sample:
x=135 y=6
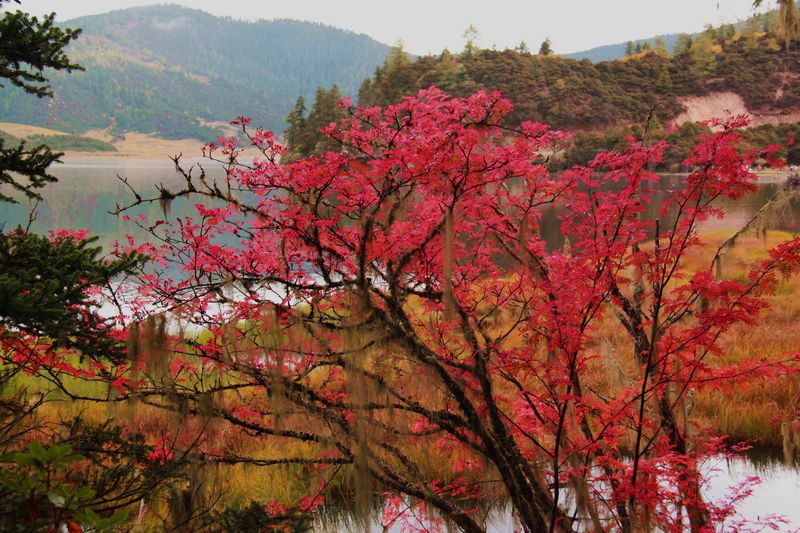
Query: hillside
x=767 y=21
x=609 y=52
x=579 y=95
x=170 y=70
x=718 y=73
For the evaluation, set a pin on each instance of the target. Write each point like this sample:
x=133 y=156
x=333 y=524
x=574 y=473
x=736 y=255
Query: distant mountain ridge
x=175 y=71
x=610 y=52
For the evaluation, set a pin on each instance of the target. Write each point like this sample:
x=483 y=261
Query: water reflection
x=88 y=189
x=776 y=494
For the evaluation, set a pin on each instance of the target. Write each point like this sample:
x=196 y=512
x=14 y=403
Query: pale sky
x=429 y=26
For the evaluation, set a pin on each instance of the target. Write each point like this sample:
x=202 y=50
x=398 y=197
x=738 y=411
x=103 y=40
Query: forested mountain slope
x=723 y=71
x=580 y=95
x=169 y=70
x=609 y=52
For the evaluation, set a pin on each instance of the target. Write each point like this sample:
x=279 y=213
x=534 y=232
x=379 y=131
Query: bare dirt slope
x=725 y=104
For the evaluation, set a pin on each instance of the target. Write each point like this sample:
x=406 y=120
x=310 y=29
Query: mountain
x=715 y=74
x=766 y=21
x=610 y=52
x=719 y=71
x=176 y=71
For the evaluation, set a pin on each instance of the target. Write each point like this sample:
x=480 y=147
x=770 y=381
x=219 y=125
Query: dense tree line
x=582 y=96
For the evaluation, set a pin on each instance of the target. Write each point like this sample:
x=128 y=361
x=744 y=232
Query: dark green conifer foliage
x=44 y=281
x=545 y=49
x=31 y=164
x=43 y=286
x=303 y=137
x=28 y=46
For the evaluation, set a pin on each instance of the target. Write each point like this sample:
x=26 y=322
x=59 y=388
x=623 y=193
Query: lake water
x=88 y=189
x=776 y=494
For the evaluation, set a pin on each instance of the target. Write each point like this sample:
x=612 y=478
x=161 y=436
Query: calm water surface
x=778 y=493
x=88 y=189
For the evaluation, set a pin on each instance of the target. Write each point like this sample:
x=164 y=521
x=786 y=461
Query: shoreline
x=131 y=146
x=164 y=155
x=141 y=146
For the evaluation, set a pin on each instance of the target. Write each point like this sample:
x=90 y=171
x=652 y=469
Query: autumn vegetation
x=603 y=103
x=579 y=95
x=411 y=314
x=396 y=295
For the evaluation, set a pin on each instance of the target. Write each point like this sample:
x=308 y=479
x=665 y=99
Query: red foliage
x=420 y=242
x=398 y=295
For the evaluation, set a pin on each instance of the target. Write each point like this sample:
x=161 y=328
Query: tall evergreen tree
x=546 y=49
x=28 y=46
x=46 y=305
x=44 y=281
x=324 y=111
x=296 y=129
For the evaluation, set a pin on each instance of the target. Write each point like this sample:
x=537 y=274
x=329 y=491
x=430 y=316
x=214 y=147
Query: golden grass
x=751 y=411
x=132 y=145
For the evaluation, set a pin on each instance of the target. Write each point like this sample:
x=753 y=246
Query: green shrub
x=75 y=143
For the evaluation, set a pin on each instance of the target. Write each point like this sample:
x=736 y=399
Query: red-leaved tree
x=394 y=307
